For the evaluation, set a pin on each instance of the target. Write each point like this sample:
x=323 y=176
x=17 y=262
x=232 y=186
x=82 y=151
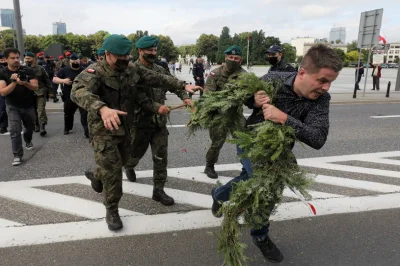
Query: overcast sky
x=185 y=20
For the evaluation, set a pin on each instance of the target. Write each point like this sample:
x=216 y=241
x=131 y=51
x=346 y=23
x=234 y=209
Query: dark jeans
x=222 y=193
x=3 y=113
x=358 y=78
x=19 y=116
x=375 y=82
x=69 y=112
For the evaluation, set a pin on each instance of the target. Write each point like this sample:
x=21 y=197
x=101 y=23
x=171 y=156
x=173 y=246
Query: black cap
x=274 y=49
x=73 y=57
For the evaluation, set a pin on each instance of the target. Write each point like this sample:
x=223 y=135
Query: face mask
x=29 y=64
x=150 y=58
x=273 y=60
x=121 y=65
x=232 y=65
x=75 y=65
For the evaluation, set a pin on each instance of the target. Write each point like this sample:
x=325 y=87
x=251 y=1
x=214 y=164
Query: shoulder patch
x=90 y=70
x=212 y=74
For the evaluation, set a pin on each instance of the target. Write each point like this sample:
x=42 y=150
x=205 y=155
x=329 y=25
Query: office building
x=338 y=34
x=7 y=18
x=59 y=28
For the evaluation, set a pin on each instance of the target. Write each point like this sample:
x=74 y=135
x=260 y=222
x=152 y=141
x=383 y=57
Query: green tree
x=271 y=40
x=352 y=46
x=289 y=53
x=6 y=39
x=338 y=41
x=97 y=39
x=351 y=57
x=340 y=53
x=208 y=45
x=225 y=40
x=134 y=37
x=167 y=48
x=185 y=50
x=396 y=60
x=32 y=43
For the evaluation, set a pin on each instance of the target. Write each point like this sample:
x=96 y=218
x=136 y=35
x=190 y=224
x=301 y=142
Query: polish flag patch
x=212 y=74
x=89 y=70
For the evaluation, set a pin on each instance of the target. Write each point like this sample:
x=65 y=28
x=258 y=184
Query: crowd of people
x=123 y=110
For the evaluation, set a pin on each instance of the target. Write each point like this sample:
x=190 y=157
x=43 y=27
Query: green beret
x=117 y=44
x=147 y=42
x=234 y=50
x=30 y=54
x=101 y=51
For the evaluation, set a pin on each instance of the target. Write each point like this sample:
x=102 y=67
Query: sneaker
x=268 y=249
x=29 y=146
x=17 y=161
x=216 y=206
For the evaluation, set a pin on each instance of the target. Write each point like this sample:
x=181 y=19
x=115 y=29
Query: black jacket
x=198 y=70
x=282 y=66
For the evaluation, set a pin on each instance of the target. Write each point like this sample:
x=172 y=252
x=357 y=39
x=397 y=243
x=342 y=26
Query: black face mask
x=121 y=65
x=232 y=65
x=75 y=65
x=4 y=64
x=150 y=58
x=273 y=60
x=29 y=64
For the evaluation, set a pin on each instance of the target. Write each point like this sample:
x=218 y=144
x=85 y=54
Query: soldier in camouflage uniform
x=105 y=90
x=215 y=82
x=42 y=92
x=150 y=120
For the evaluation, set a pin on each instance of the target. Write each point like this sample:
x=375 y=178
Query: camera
x=22 y=74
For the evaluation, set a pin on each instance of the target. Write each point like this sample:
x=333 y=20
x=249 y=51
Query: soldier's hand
x=187 y=101
x=261 y=98
x=163 y=110
x=67 y=81
x=192 y=89
x=111 y=117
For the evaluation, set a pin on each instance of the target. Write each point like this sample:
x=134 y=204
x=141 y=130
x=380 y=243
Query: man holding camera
x=17 y=84
x=66 y=77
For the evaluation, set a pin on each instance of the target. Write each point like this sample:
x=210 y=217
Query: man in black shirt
x=275 y=58
x=302 y=102
x=50 y=67
x=17 y=84
x=66 y=77
x=198 y=74
x=3 y=111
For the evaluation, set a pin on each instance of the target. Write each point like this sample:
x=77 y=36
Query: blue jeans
x=222 y=193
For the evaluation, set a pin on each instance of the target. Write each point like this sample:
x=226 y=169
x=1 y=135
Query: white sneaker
x=16 y=161
x=29 y=146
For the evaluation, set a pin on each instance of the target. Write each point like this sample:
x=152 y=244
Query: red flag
x=382 y=39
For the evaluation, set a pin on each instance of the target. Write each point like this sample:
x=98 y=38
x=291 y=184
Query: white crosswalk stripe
x=92 y=225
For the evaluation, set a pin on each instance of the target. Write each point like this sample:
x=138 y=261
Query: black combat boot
x=113 y=220
x=210 y=171
x=96 y=184
x=66 y=131
x=160 y=195
x=216 y=205
x=130 y=174
x=268 y=249
x=37 y=128
x=42 y=130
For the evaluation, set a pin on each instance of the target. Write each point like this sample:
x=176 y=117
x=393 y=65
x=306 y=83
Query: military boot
x=96 y=184
x=113 y=220
x=130 y=174
x=210 y=171
x=37 y=128
x=160 y=195
x=42 y=130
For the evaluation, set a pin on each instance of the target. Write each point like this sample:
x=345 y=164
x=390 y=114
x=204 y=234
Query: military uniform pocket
x=107 y=154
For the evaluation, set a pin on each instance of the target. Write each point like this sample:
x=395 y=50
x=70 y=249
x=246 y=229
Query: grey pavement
x=360 y=238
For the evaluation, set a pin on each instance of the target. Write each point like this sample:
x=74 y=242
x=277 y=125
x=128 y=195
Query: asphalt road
x=357 y=224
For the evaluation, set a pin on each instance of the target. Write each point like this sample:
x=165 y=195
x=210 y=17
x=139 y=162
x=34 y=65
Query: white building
x=393 y=52
x=299 y=44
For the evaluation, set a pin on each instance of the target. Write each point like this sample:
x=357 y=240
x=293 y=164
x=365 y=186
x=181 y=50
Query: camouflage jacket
x=219 y=76
x=149 y=99
x=43 y=81
x=99 y=85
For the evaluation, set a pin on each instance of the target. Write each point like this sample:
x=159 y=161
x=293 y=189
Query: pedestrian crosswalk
x=58 y=209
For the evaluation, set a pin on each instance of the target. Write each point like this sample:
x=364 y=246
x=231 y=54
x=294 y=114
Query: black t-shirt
x=21 y=96
x=361 y=70
x=68 y=72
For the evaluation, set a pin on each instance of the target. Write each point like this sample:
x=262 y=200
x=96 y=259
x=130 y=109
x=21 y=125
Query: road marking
x=385 y=116
x=29 y=192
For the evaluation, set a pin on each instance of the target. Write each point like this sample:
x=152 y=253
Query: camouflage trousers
x=110 y=154
x=157 y=138
x=218 y=137
x=40 y=111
